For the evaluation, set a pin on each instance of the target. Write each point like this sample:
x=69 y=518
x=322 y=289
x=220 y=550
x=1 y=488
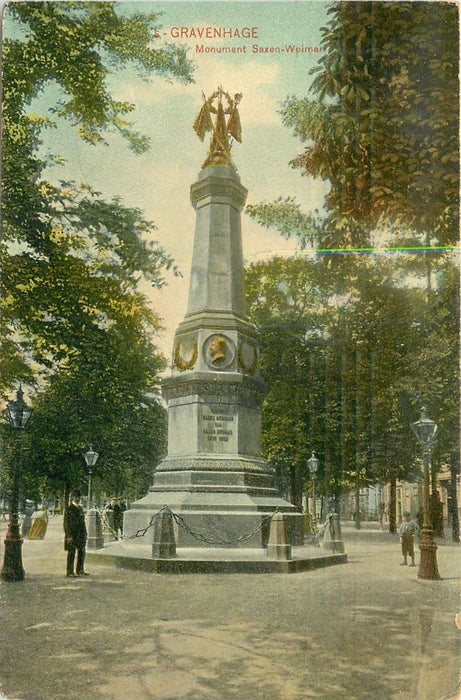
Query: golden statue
x=220 y=144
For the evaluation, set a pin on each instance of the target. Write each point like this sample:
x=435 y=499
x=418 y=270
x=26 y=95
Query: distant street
x=368 y=629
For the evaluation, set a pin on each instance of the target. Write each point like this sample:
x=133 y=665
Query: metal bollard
x=278 y=547
x=164 y=542
x=94 y=524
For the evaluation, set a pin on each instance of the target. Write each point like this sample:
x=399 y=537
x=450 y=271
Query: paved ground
x=368 y=629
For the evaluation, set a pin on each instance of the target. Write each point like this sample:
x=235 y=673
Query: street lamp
x=91 y=457
x=17 y=414
x=313 y=464
x=425 y=430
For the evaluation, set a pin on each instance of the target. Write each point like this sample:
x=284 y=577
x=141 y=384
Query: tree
x=74 y=321
x=384 y=128
x=72 y=261
x=345 y=370
x=286 y=217
x=278 y=295
x=129 y=436
x=435 y=369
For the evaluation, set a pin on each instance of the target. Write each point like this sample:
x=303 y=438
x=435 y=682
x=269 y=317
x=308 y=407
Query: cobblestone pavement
x=368 y=629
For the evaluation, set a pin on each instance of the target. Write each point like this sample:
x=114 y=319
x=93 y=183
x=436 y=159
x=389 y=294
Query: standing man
x=114 y=516
x=75 y=532
x=118 y=515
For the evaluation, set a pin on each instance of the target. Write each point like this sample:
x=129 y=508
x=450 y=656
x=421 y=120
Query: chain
x=139 y=533
x=142 y=531
x=181 y=523
x=201 y=538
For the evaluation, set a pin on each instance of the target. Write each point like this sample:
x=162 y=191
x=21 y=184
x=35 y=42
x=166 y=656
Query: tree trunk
x=347 y=406
x=454 y=504
x=329 y=436
x=66 y=496
x=393 y=505
x=338 y=502
x=297 y=486
x=357 y=506
x=360 y=428
x=428 y=267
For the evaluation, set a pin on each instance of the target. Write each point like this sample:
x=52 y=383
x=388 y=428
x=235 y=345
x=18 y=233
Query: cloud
x=252 y=77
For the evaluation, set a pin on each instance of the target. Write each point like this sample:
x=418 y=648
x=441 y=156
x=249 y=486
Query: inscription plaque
x=217 y=425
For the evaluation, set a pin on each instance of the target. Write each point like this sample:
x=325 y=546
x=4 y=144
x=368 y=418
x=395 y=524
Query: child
x=408 y=528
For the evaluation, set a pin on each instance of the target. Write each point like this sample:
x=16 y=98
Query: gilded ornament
x=179 y=360
x=222 y=131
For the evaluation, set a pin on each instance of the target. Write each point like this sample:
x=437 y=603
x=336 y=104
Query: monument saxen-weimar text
x=214 y=475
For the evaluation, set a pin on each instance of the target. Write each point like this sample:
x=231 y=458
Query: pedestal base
x=215 y=509
x=213 y=561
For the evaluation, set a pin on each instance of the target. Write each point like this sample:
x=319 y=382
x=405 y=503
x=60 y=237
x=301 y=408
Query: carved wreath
x=251 y=369
x=180 y=362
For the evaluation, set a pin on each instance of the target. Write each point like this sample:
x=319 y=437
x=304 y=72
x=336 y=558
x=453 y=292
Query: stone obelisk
x=214 y=477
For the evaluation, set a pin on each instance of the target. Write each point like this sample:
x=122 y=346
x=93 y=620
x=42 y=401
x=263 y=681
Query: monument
x=214 y=476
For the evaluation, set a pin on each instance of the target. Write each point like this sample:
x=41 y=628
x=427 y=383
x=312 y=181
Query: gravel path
x=368 y=629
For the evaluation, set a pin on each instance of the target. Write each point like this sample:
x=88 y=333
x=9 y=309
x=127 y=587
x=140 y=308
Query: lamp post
x=313 y=464
x=425 y=430
x=91 y=457
x=17 y=414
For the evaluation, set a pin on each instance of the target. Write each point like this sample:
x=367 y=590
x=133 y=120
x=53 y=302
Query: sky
x=158 y=182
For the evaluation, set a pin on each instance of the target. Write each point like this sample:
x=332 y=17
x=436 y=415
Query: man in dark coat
x=75 y=532
x=114 y=516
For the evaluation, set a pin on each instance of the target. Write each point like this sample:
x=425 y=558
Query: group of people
x=35 y=521
x=76 y=534
x=113 y=514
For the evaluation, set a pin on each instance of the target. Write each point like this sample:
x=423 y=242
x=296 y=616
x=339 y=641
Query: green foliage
x=106 y=398
x=89 y=278
x=433 y=371
x=384 y=131
x=286 y=217
x=74 y=319
x=347 y=361
x=72 y=262
x=76 y=44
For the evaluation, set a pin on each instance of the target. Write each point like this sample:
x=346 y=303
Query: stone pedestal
x=214 y=476
x=164 y=543
x=278 y=546
x=94 y=527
